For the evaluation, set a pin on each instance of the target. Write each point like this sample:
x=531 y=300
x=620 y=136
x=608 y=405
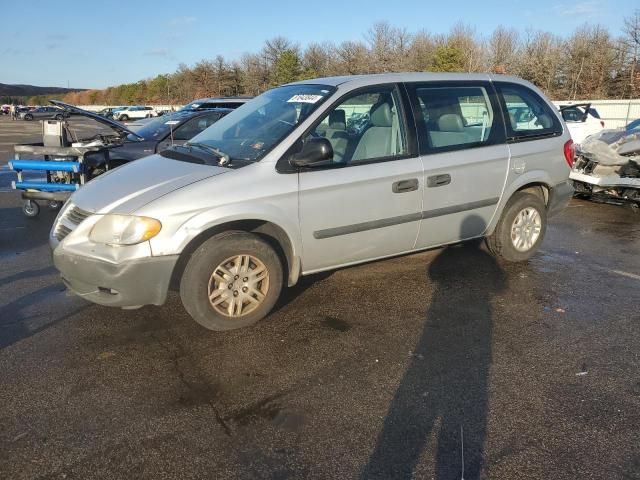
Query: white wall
x=615 y=113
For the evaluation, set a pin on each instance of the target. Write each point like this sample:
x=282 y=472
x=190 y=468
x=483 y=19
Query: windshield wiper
x=224 y=158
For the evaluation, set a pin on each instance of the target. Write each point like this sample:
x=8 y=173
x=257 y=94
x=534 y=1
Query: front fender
x=216 y=217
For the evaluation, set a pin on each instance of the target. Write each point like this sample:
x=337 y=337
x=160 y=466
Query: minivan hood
x=131 y=186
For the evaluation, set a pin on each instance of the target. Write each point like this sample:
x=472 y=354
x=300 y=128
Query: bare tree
x=503 y=50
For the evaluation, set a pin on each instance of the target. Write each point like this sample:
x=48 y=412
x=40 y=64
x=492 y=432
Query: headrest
x=545 y=121
x=450 y=122
x=512 y=120
x=381 y=115
x=337 y=120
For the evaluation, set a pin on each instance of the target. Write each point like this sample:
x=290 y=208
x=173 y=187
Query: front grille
x=62 y=231
x=76 y=215
x=73 y=217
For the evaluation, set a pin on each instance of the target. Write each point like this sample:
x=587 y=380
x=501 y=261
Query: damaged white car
x=607 y=166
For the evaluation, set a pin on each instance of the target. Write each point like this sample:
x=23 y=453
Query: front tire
x=28 y=117
x=231 y=281
x=521 y=228
x=123 y=118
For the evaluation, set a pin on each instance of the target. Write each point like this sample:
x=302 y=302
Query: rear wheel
x=231 y=281
x=59 y=117
x=521 y=228
x=28 y=117
x=124 y=118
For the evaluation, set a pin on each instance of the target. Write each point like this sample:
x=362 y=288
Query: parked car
x=607 y=167
x=43 y=113
x=216 y=102
x=163 y=132
x=224 y=217
x=582 y=120
x=135 y=111
x=5 y=109
x=108 y=112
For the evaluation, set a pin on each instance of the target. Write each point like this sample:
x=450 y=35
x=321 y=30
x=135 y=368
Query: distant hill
x=32 y=90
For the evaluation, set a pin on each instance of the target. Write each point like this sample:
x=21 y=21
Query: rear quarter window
x=527 y=115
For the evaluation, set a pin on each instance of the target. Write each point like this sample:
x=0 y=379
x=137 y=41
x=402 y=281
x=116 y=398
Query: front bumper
x=130 y=283
x=559 y=198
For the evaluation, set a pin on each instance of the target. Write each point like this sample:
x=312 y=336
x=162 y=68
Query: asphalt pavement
x=446 y=364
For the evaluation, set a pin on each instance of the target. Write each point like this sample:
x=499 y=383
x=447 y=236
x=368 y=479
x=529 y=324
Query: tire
x=54 y=205
x=28 y=117
x=58 y=117
x=30 y=208
x=221 y=252
x=507 y=239
x=123 y=118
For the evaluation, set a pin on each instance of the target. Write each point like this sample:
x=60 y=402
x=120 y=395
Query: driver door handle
x=403 y=186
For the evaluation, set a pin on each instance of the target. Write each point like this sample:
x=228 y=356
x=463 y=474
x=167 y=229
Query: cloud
x=588 y=9
x=52 y=46
x=181 y=21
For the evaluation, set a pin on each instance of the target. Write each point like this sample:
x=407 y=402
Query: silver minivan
x=318 y=175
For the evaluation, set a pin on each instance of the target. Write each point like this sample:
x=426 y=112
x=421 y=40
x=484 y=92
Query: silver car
x=281 y=188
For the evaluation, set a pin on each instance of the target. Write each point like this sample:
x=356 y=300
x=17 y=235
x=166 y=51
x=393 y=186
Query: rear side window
x=455 y=117
x=527 y=115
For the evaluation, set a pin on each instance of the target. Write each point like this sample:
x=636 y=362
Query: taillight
x=569 y=152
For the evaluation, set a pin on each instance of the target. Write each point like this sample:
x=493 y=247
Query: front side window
x=365 y=126
x=527 y=115
x=455 y=117
x=251 y=131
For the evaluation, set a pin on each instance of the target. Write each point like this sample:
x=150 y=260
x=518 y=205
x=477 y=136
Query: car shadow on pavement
x=18 y=323
x=443 y=393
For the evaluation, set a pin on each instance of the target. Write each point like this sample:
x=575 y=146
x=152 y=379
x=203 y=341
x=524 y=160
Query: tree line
x=590 y=63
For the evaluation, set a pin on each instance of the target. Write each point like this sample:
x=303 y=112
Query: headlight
x=124 y=229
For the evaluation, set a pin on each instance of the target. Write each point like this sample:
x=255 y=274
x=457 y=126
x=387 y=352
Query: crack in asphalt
x=174 y=356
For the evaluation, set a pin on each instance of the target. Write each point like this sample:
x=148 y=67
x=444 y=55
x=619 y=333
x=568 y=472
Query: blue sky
x=94 y=44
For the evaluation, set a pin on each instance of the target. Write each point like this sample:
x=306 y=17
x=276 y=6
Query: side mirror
x=315 y=152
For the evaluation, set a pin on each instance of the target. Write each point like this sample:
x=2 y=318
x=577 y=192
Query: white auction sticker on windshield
x=305 y=98
x=172 y=122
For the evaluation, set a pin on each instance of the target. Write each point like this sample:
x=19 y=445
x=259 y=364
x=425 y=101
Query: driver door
x=367 y=203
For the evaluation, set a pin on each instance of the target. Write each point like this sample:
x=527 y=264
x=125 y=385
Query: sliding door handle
x=405 y=186
x=439 y=180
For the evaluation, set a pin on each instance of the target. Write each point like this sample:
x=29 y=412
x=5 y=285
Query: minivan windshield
x=252 y=130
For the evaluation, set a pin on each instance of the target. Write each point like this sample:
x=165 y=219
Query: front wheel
x=232 y=280
x=28 y=117
x=59 y=117
x=123 y=118
x=521 y=228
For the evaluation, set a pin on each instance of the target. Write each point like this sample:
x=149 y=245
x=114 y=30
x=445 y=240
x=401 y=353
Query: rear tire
x=231 y=281
x=521 y=228
x=28 y=117
x=123 y=118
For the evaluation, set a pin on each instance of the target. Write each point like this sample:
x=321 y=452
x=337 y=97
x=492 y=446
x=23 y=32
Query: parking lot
x=416 y=366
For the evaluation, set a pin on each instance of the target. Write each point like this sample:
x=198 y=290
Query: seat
x=450 y=131
x=377 y=139
x=336 y=133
